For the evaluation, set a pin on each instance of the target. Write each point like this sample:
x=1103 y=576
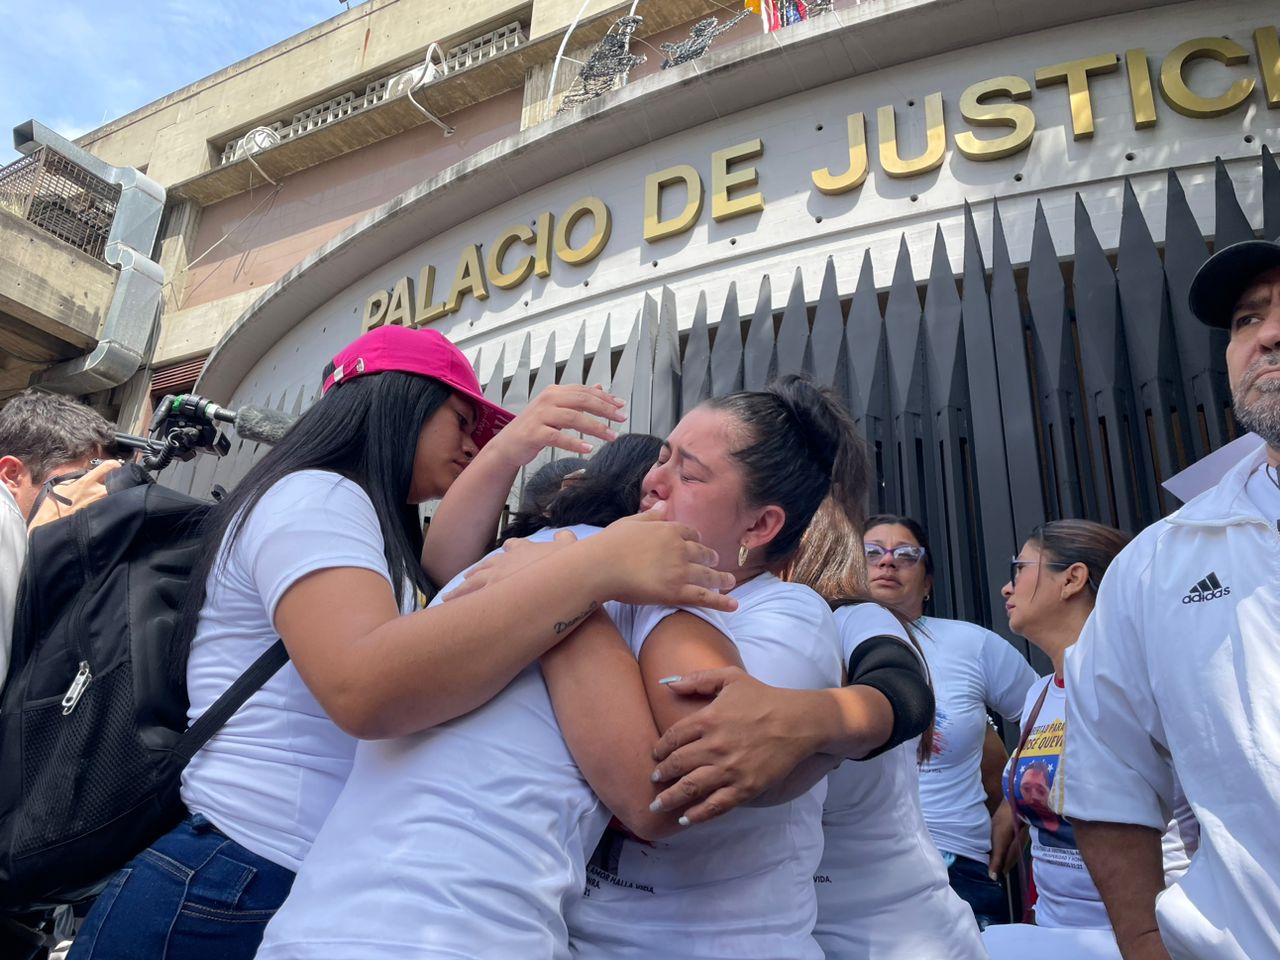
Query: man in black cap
x=1176 y=677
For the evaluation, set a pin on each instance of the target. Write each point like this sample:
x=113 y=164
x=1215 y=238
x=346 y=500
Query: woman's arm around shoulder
x=466 y=520
x=611 y=707
x=378 y=674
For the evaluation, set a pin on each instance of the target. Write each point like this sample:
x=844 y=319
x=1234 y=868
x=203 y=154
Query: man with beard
x=1177 y=675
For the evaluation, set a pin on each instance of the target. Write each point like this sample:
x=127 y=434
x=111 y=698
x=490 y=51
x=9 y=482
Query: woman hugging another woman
x=466 y=840
x=471 y=840
x=320 y=545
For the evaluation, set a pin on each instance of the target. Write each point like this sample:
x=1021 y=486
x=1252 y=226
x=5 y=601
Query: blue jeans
x=194 y=894
x=985 y=897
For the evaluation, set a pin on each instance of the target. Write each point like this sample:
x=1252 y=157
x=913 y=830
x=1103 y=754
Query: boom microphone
x=261 y=424
x=255 y=424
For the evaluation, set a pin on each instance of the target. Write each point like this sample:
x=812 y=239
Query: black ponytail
x=801 y=447
x=610 y=484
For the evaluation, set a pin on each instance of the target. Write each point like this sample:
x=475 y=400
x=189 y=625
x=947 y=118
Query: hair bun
x=816 y=418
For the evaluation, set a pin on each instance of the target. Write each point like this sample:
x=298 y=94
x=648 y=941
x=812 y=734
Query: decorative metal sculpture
x=699 y=40
x=607 y=67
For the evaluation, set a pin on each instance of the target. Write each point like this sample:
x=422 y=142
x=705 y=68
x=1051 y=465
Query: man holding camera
x=42 y=435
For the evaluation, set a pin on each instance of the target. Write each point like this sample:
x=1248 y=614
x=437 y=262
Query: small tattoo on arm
x=564 y=626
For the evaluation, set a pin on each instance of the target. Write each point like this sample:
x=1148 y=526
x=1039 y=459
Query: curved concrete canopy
x=764 y=69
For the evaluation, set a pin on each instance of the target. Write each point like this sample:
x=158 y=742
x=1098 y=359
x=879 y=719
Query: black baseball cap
x=1226 y=275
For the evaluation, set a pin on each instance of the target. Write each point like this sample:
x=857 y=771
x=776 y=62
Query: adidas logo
x=1210 y=588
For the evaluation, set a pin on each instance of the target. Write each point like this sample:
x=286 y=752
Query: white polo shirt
x=1177 y=672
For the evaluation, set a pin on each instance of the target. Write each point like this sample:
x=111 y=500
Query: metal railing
x=458 y=58
x=61 y=198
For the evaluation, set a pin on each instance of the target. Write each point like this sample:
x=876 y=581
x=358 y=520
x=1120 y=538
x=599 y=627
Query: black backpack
x=93 y=718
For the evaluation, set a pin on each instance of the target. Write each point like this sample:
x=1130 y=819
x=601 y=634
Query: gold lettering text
x=936 y=144
x=375 y=309
x=1075 y=74
x=602 y=227
x=724 y=207
x=833 y=184
x=975 y=109
x=1141 y=96
x=400 y=310
x=506 y=281
x=425 y=311
x=655 y=184
x=1173 y=82
x=469 y=278
x=1267 y=41
x=542 y=252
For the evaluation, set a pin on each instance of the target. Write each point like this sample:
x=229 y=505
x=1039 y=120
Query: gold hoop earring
x=742 y=555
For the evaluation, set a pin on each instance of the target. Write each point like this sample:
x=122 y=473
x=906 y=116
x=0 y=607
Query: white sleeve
x=636 y=623
x=859 y=622
x=796 y=627
x=306 y=522
x=1120 y=771
x=13 y=551
x=1007 y=676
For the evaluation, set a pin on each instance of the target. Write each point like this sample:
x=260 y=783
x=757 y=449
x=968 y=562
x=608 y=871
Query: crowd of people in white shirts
x=700 y=709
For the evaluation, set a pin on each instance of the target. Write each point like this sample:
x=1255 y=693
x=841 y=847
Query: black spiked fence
x=990 y=401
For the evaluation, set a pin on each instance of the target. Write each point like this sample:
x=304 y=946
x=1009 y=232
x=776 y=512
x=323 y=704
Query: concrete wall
x=684 y=117
x=244 y=244
x=313 y=206
x=171 y=136
x=52 y=302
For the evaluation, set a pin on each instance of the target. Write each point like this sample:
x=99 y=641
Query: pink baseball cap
x=424 y=352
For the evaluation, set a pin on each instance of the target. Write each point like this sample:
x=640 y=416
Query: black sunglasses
x=1016 y=565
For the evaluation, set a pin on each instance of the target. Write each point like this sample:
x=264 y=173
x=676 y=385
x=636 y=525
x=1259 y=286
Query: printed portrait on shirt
x=1037 y=790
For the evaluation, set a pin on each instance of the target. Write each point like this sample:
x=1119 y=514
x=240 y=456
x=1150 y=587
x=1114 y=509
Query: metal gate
x=991 y=402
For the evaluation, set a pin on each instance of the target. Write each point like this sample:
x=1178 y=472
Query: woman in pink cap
x=320 y=545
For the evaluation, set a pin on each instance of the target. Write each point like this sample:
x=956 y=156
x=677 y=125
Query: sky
x=75 y=64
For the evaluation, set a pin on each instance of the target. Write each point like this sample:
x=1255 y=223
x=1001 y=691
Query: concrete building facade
x=1056 y=172
x=342 y=138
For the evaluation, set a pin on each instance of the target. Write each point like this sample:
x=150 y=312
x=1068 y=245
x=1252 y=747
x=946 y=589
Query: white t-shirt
x=1025 y=941
x=740 y=886
x=13 y=551
x=1066 y=895
x=268 y=778
x=882 y=888
x=1176 y=673
x=971 y=669
x=464 y=841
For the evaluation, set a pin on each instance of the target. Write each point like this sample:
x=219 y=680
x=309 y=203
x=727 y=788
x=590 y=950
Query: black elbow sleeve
x=890 y=666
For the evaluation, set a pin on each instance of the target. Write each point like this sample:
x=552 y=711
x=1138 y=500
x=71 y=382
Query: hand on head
x=551 y=419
